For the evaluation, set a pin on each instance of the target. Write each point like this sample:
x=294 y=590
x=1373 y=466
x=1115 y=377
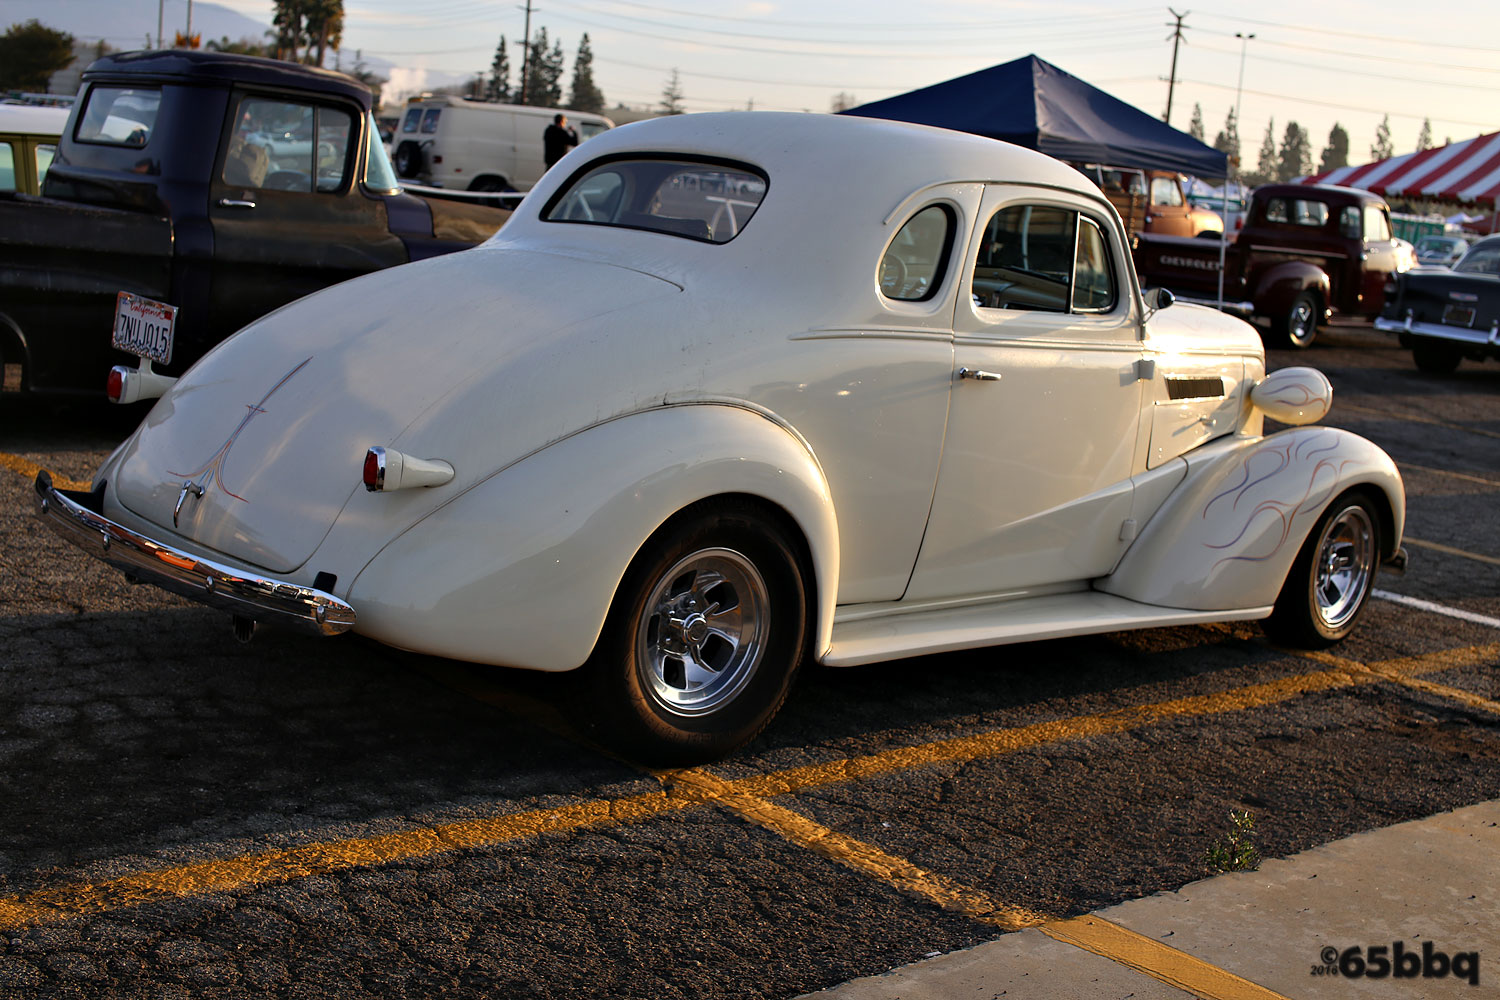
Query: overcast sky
x=1345 y=61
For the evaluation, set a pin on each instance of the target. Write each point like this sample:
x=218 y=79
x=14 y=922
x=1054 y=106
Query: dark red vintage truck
x=210 y=189
x=1305 y=252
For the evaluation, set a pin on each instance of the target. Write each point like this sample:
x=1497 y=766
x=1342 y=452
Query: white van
x=457 y=143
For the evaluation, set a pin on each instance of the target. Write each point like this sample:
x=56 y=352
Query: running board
x=942 y=630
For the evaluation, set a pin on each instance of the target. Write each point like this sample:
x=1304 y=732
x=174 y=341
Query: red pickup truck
x=1306 y=251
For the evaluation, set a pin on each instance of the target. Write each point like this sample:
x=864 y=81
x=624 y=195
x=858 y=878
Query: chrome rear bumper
x=76 y=517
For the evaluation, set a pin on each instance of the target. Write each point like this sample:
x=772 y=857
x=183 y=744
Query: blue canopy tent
x=1032 y=103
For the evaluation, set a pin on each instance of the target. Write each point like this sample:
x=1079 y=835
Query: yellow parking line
x=1447 y=472
x=856 y=854
x=65 y=902
x=29 y=469
x=1148 y=955
x=1093 y=934
x=1450 y=550
x=1405 y=671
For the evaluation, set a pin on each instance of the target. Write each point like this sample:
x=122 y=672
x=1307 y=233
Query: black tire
x=491 y=184
x=1434 y=356
x=408 y=159
x=1297 y=328
x=663 y=628
x=1332 y=578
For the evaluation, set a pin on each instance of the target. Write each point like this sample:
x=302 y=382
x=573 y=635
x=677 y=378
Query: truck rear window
x=1297 y=212
x=704 y=201
x=118 y=116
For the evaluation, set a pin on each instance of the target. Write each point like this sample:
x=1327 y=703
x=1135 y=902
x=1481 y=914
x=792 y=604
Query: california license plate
x=144 y=326
x=1458 y=315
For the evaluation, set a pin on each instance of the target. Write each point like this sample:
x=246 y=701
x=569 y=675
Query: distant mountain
x=132 y=25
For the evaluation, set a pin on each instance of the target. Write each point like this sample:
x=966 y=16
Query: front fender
x=520 y=569
x=1227 y=537
x=1279 y=284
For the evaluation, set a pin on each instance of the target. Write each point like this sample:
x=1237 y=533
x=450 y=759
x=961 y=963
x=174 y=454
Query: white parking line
x=1415 y=602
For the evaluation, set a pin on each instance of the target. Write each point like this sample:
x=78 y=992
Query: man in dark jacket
x=557 y=140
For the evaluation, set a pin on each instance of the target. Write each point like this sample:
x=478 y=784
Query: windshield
x=1483 y=258
x=379 y=174
x=704 y=201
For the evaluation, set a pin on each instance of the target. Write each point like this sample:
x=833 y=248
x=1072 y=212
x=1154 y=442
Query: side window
x=913 y=266
x=1026 y=259
x=1377 y=226
x=1164 y=191
x=284 y=146
x=1093 y=281
x=7 y=167
x=1349 y=222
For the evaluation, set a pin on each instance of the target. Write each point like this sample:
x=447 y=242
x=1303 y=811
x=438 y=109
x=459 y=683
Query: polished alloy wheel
x=1345 y=566
x=703 y=631
x=1300 y=326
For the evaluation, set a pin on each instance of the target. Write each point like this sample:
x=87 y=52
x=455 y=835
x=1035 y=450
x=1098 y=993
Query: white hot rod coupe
x=734 y=391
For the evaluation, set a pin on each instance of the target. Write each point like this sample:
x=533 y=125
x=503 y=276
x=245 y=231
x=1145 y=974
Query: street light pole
x=1239 y=91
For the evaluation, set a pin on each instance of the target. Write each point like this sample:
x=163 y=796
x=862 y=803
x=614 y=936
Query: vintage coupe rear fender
x=1227 y=536
x=1279 y=284
x=520 y=570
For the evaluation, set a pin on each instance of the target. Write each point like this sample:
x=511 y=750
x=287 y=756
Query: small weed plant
x=1236 y=850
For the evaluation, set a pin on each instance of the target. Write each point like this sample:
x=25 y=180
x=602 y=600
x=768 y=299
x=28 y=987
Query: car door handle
x=978 y=375
x=235 y=203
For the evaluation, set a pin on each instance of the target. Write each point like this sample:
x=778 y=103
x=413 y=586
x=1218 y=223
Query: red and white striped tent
x=1461 y=172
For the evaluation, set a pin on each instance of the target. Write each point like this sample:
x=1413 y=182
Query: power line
x=1351 y=34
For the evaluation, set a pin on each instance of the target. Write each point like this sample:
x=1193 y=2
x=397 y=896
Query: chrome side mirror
x=1159 y=298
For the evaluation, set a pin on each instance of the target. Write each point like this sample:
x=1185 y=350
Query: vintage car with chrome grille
x=699 y=414
x=1445 y=316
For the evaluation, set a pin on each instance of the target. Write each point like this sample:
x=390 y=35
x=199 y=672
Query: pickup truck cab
x=223 y=185
x=1151 y=201
x=1305 y=252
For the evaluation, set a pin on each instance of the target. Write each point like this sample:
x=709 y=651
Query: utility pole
x=526 y=57
x=1176 y=38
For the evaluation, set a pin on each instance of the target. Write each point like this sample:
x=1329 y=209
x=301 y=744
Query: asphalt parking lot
x=191 y=817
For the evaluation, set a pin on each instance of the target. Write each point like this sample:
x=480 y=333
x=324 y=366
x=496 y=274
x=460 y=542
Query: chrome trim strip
x=1461 y=334
x=216 y=584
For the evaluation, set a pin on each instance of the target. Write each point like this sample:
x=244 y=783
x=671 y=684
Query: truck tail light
x=386 y=469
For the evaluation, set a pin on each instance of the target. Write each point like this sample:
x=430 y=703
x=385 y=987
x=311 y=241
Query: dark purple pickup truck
x=222 y=185
x=1306 y=251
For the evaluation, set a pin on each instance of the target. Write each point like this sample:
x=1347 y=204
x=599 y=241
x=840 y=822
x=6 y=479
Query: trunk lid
x=268 y=432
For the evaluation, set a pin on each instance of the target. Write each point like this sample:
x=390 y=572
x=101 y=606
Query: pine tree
x=1382 y=149
x=1195 y=127
x=1266 y=166
x=584 y=94
x=1336 y=153
x=1424 y=137
x=1296 y=158
x=543 y=85
x=30 y=53
x=554 y=62
x=1228 y=141
x=497 y=90
x=671 y=96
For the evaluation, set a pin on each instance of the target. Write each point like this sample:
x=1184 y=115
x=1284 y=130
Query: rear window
x=118 y=116
x=410 y=122
x=1297 y=212
x=430 y=119
x=1482 y=258
x=704 y=201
